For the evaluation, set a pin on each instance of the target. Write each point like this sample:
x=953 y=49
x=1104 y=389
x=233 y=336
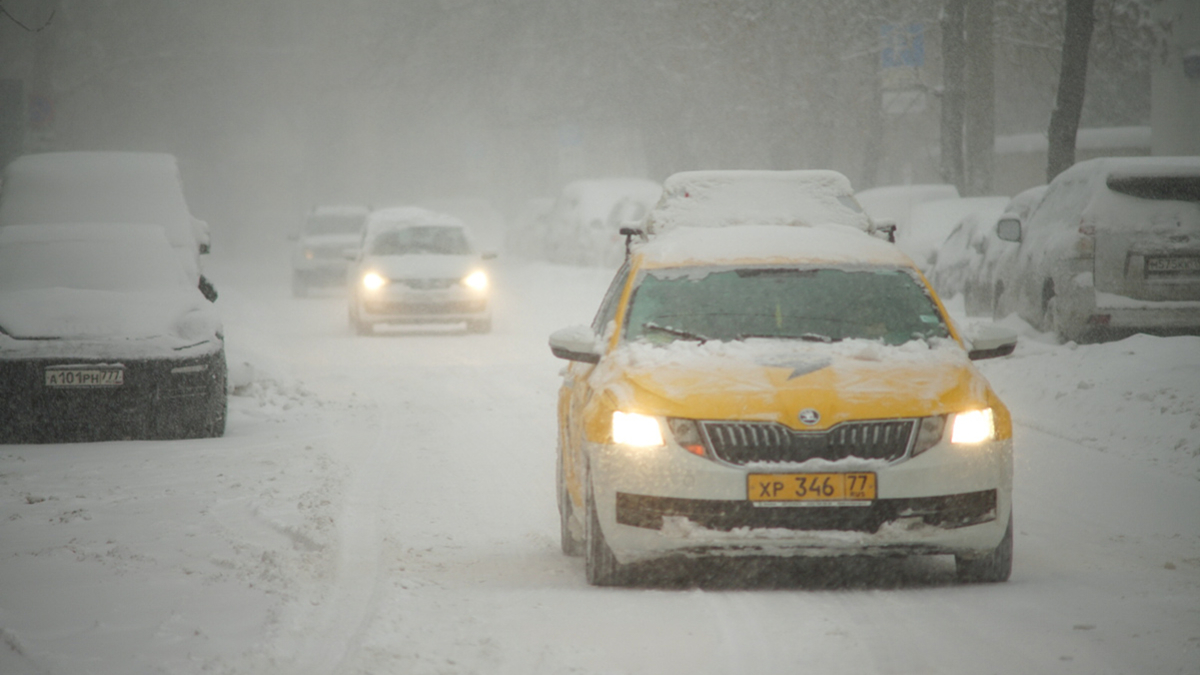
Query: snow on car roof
x=825 y=243
x=409 y=216
x=724 y=198
x=73 y=187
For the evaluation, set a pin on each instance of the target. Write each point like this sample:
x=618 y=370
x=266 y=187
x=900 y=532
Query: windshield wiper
x=807 y=337
x=687 y=335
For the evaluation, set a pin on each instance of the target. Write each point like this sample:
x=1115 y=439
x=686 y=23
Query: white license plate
x=1173 y=265
x=85 y=377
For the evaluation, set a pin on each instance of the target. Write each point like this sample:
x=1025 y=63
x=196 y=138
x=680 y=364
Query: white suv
x=1113 y=248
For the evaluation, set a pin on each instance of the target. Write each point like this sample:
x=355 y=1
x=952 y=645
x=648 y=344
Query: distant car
x=105 y=187
x=319 y=256
x=760 y=390
x=418 y=266
x=1113 y=248
x=718 y=198
x=931 y=222
x=104 y=336
x=580 y=229
x=966 y=261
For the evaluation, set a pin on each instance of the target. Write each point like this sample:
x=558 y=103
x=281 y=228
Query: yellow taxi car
x=779 y=391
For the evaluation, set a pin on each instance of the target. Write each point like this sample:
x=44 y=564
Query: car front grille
x=748 y=442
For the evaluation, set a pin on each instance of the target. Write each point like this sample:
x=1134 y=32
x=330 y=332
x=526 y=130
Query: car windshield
x=435 y=240
x=333 y=224
x=803 y=303
x=117 y=265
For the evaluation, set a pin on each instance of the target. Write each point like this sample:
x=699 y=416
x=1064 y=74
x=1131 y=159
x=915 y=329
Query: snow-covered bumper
x=663 y=501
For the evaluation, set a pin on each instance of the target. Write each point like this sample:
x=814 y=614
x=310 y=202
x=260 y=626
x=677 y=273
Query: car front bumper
x=159 y=398
x=661 y=502
x=405 y=305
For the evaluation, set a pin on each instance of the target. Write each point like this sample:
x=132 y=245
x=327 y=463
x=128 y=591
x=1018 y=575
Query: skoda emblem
x=809 y=417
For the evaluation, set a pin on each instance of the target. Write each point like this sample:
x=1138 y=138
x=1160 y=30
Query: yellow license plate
x=810 y=487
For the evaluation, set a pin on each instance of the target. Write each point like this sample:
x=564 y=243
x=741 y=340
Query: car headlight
x=373 y=281
x=195 y=326
x=973 y=426
x=477 y=280
x=642 y=431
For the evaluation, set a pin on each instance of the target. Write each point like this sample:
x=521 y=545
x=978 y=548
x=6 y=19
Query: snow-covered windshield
x=115 y=265
x=820 y=304
x=434 y=240
x=333 y=224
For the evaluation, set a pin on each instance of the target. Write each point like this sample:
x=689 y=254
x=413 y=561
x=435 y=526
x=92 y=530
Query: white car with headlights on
x=104 y=335
x=418 y=266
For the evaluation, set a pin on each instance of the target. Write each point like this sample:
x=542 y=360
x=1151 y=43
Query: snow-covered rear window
x=1167 y=188
x=119 y=264
x=797 y=302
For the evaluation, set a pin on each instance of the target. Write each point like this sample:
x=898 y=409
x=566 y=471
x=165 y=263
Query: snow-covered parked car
x=319 y=256
x=966 y=262
x=583 y=227
x=418 y=266
x=980 y=288
x=754 y=390
x=722 y=197
x=103 y=335
x=1113 y=248
x=932 y=222
x=106 y=187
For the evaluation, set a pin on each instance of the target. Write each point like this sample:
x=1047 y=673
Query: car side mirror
x=207 y=289
x=989 y=341
x=1008 y=229
x=887 y=228
x=576 y=343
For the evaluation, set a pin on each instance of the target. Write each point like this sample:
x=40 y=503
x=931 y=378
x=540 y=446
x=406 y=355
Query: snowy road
x=386 y=505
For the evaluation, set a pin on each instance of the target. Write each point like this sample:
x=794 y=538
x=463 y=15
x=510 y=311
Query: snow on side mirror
x=989 y=340
x=1008 y=229
x=576 y=343
x=885 y=229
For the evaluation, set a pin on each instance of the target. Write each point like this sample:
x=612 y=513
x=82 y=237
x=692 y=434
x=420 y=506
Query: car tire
x=572 y=543
x=480 y=325
x=600 y=563
x=992 y=568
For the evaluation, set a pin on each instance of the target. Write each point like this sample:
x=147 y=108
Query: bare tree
x=1072 y=78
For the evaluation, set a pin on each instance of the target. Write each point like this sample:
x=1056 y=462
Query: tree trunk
x=980 y=104
x=954 y=65
x=1072 y=78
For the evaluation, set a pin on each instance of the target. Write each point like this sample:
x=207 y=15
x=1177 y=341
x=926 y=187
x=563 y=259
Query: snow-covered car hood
x=422 y=266
x=768 y=380
x=154 y=321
